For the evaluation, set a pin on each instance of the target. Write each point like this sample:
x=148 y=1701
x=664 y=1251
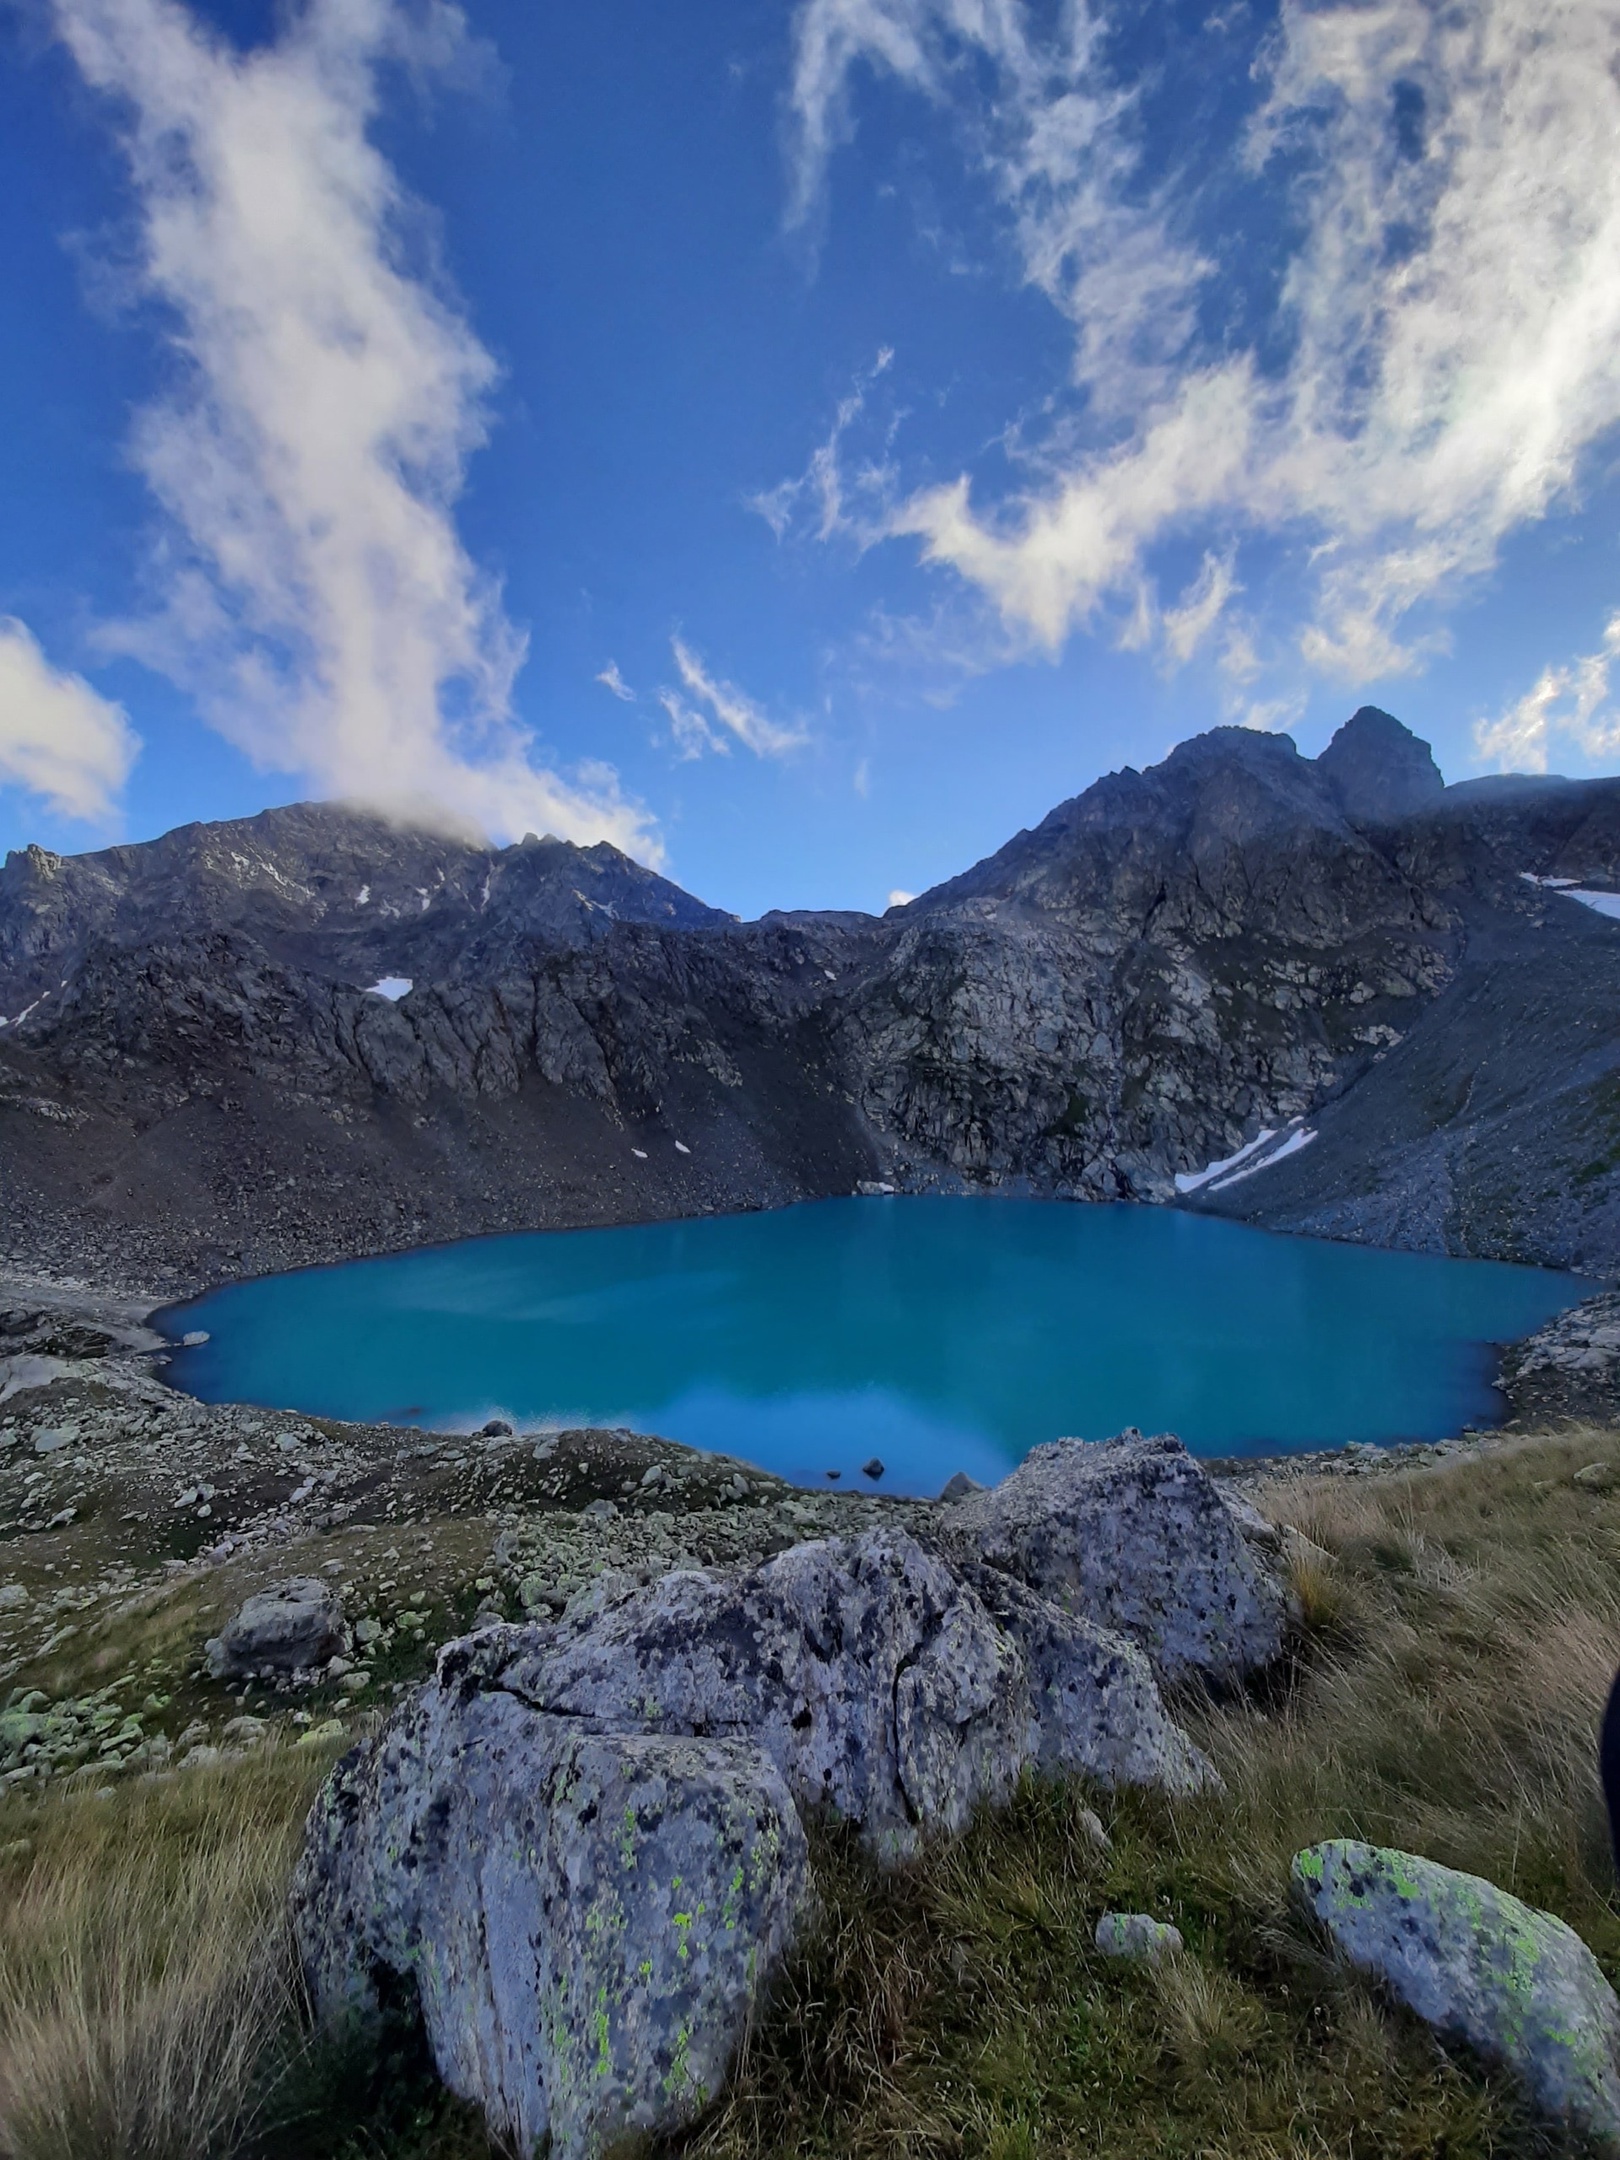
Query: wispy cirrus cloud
x=610 y=679
x=713 y=713
x=1435 y=358
x=824 y=488
x=59 y=739
x=313 y=591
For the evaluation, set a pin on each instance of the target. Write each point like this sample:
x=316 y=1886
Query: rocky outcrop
x=1568 y=1369
x=581 y=1849
x=1518 y=1986
x=198 y=1079
x=1380 y=771
x=1135 y=1536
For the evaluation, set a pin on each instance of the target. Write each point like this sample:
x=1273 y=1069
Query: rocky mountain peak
x=1379 y=770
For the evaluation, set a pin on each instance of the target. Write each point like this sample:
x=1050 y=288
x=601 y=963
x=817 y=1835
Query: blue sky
x=799 y=441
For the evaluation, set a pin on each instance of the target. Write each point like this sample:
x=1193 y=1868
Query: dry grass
x=143 y=1961
x=1462 y=1627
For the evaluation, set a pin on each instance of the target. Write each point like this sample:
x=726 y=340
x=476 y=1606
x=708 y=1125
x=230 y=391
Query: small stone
x=1137 y=1937
x=13 y=1597
x=244 y=1732
x=356 y=1682
x=496 y=1429
x=959 y=1487
x=321 y=1735
x=601 y=1511
x=1090 y=1825
x=872 y=1469
x=1596 y=1477
x=51 y=1439
x=288 y=1442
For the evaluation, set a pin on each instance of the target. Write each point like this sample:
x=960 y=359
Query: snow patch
x=392 y=987
x=1602 y=903
x=363 y=896
x=1189 y=1180
x=681 y=1148
x=640 y=1153
x=1605 y=903
x=1301 y=1138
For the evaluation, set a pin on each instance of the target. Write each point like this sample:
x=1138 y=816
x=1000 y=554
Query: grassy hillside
x=1463 y=1625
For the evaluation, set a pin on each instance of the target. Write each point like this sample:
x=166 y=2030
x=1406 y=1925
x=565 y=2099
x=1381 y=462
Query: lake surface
x=935 y=1334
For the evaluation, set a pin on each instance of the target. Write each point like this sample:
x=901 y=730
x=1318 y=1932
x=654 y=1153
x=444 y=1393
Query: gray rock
x=587 y=1917
x=1570 y=1368
x=1133 y=1534
x=1519 y=1986
x=1137 y=1937
x=880 y=1682
x=582 y=1840
x=1094 y=1705
x=958 y=1486
x=294 y=1627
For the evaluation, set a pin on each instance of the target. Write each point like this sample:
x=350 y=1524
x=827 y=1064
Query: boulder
x=586 y=1918
x=1517 y=1985
x=876 y=1677
x=293 y=1627
x=1134 y=1535
x=582 y=1845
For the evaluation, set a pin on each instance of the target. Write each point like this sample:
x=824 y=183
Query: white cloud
x=611 y=679
x=1570 y=701
x=730 y=707
x=824 y=484
x=314 y=593
x=1441 y=355
x=58 y=738
x=898 y=898
x=689 y=731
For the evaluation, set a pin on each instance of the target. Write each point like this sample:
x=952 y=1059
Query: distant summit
x=1380 y=771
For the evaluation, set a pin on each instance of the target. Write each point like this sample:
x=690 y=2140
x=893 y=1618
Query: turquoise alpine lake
x=931 y=1334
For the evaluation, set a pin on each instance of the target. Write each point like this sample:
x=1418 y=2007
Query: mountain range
x=1378 y=1000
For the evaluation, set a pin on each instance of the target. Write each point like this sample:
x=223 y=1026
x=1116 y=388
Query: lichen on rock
x=1517 y=1985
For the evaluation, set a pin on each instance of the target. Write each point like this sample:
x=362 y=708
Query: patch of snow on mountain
x=1189 y=1180
x=1302 y=1138
x=392 y=987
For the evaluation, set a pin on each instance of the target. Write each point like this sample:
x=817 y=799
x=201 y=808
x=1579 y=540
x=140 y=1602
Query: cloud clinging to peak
x=312 y=590
x=59 y=739
x=1432 y=364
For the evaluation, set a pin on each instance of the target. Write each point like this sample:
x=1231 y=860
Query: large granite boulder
x=1518 y=1986
x=586 y=1918
x=889 y=1693
x=293 y=1628
x=1133 y=1535
x=582 y=1844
